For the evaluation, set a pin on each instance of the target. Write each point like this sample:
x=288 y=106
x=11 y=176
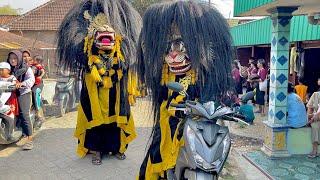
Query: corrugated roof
x=12 y=41
x=45 y=17
x=241 y=6
x=259 y=32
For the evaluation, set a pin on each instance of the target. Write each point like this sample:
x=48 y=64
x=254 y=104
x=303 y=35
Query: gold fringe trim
x=95 y=74
x=107 y=82
x=93 y=60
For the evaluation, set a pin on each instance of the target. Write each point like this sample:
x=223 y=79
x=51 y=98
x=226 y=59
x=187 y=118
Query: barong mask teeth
x=103 y=34
x=177 y=58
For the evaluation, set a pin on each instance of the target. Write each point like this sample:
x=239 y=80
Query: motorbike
x=10 y=131
x=207 y=144
x=66 y=93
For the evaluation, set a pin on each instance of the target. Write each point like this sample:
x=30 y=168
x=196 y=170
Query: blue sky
x=224 y=6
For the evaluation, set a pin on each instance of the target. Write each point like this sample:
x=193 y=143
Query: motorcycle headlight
x=200 y=162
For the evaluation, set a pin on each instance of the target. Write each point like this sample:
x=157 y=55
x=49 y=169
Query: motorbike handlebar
x=178 y=105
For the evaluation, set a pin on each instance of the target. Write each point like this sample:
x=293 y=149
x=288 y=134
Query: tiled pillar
x=275 y=144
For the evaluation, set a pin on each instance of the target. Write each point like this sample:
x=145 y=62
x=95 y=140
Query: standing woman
x=25 y=81
x=252 y=73
x=314 y=121
x=260 y=100
x=236 y=77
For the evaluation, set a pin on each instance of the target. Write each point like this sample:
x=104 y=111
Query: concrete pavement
x=53 y=156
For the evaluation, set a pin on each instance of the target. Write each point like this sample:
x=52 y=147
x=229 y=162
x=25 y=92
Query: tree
x=8 y=10
x=142 y=5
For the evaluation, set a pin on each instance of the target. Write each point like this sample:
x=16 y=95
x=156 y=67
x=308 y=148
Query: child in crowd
x=247 y=109
x=38 y=72
x=11 y=100
x=301 y=91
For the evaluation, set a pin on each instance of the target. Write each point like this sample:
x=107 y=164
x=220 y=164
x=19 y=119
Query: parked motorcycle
x=66 y=93
x=207 y=144
x=9 y=131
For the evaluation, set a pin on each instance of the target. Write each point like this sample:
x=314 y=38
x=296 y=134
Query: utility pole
x=209 y=2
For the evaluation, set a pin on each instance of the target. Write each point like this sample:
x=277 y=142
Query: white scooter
x=207 y=144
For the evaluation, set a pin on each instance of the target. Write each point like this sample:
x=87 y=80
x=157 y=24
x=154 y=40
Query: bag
x=263 y=86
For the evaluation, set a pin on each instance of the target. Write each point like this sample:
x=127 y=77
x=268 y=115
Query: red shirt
x=262 y=74
x=38 y=79
x=235 y=75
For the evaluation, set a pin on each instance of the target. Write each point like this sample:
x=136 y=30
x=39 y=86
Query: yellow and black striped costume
x=105 y=123
x=99 y=37
x=167 y=134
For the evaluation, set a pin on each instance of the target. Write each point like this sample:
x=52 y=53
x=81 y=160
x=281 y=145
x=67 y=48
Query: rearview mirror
x=175 y=86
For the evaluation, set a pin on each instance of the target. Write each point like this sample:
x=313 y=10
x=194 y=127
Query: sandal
x=96 y=158
x=121 y=156
x=28 y=146
x=312 y=155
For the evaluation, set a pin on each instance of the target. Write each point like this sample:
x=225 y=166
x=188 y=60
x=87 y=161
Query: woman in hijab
x=25 y=81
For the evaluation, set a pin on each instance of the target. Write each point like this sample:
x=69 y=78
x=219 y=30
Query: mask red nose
x=173 y=54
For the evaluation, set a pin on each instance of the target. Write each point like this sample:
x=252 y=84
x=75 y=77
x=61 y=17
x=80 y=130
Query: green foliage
x=8 y=10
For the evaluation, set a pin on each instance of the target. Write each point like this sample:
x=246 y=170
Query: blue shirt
x=297 y=114
x=247 y=111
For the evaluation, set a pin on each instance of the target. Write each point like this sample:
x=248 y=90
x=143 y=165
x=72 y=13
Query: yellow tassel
x=107 y=82
x=118 y=48
x=90 y=60
x=120 y=74
x=96 y=59
x=85 y=47
x=101 y=52
x=89 y=46
x=95 y=74
x=165 y=74
x=132 y=100
x=193 y=76
x=93 y=59
x=111 y=72
x=102 y=71
x=172 y=77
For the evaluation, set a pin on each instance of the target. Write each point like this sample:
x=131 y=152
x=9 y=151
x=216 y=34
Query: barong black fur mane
x=73 y=30
x=206 y=36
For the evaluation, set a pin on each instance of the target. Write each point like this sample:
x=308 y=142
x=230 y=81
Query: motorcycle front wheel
x=200 y=175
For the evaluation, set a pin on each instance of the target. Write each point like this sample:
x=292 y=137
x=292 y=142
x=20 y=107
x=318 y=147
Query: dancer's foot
x=96 y=158
x=120 y=156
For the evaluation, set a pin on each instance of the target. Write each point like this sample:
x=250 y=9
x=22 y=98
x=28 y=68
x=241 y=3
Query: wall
x=45 y=36
x=4 y=54
x=243 y=54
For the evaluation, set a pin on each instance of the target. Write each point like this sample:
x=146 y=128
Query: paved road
x=53 y=156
